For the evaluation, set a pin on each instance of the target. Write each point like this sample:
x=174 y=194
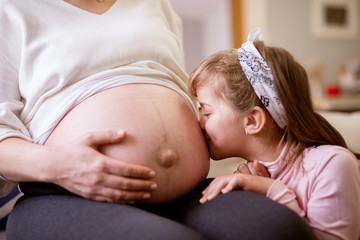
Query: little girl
x=256 y=104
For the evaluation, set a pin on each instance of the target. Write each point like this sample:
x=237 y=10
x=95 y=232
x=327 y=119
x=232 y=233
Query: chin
x=217 y=153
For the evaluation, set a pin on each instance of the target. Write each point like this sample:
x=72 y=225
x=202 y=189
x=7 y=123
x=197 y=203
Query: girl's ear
x=255 y=120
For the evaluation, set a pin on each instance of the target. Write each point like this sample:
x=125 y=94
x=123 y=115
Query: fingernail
x=153 y=186
x=152 y=174
x=121 y=132
x=146 y=196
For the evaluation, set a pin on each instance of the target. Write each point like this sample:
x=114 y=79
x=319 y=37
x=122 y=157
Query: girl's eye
x=206 y=114
x=203 y=113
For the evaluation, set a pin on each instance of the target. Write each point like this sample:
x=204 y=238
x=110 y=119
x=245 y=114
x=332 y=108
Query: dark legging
x=236 y=215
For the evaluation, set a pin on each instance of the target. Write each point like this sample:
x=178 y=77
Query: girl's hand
x=80 y=168
x=254 y=168
x=227 y=183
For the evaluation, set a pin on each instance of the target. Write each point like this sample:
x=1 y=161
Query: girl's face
x=222 y=125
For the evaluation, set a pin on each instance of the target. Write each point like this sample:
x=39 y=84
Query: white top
x=54 y=55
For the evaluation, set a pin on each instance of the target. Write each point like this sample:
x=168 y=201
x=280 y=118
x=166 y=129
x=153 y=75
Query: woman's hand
x=82 y=169
x=254 y=168
x=227 y=183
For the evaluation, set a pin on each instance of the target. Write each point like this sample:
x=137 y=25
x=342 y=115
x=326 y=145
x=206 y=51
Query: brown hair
x=222 y=70
x=305 y=126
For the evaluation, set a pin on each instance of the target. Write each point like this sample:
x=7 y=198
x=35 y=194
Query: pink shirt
x=326 y=194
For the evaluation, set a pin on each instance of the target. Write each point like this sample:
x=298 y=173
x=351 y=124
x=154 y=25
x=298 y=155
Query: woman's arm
x=77 y=166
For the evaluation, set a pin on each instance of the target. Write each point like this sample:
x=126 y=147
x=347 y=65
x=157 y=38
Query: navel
x=168 y=158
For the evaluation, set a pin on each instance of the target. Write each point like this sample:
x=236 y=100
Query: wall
x=207 y=28
x=287 y=23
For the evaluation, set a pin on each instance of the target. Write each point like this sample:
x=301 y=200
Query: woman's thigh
x=70 y=217
x=241 y=215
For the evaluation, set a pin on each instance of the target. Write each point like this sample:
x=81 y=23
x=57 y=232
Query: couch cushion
x=6 y=205
x=348 y=124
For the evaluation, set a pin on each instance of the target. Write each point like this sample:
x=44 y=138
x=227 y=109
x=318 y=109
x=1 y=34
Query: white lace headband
x=259 y=75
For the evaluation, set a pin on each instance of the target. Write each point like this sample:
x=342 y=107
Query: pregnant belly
x=162 y=133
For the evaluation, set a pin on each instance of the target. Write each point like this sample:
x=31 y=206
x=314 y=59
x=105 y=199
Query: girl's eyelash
x=202 y=112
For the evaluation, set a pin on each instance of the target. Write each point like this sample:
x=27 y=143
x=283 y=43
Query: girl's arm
x=227 y=183
x=280 y=193
x=239 y=180
x=333 y=206
x=77 y=166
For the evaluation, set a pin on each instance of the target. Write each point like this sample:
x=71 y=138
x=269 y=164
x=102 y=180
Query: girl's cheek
x=208 y=128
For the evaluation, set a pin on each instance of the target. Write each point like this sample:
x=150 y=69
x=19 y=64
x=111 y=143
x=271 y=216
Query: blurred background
x=323 y=35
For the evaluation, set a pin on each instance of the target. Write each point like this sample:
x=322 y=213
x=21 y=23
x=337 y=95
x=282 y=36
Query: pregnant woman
x=73 y=75
x=112 y=70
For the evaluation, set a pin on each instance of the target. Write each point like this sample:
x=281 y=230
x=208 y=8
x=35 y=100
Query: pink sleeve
x=333 y=207
x=279 y=192
x=334 y=202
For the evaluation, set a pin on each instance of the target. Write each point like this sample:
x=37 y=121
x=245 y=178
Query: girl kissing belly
x=162 y=134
